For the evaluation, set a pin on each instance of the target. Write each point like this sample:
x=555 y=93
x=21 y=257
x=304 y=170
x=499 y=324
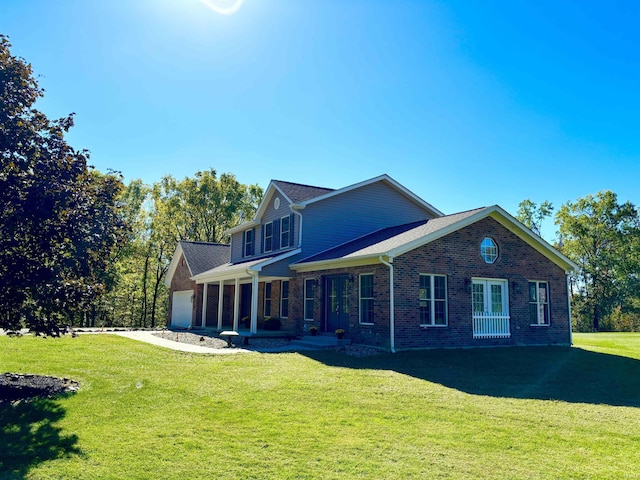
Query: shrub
x=272 y=323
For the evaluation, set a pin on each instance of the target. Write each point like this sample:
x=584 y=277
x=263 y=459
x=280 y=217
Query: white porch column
x=254 y=304
x=204 y=305
x=220 y=300
x=236 y=304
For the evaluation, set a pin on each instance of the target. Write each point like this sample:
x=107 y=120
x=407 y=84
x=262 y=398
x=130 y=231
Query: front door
x=490 y=304
x=337 y=302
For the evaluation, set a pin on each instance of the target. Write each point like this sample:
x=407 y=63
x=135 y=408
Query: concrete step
x=320 y=341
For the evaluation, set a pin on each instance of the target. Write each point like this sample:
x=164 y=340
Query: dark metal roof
x=382 y=241
x=298 y=192
x=203 y=256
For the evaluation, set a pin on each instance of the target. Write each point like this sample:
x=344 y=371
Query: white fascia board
x=498 y=214
x=174 y=265
x=266 y=199
x=386 y=178
x=241 y=227
x=540 y=244
x=337 y=263
x=240 y=269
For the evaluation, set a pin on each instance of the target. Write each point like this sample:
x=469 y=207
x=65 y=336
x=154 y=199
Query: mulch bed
x=15 y=387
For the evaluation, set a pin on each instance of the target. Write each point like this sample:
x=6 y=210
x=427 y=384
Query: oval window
x=489 y=250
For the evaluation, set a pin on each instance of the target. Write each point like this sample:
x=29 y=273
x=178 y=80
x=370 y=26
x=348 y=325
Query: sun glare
x=225 y=7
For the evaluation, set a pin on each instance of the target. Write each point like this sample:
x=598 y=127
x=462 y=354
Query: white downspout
x=392 y=317
x=569 y=310
x=296 y=209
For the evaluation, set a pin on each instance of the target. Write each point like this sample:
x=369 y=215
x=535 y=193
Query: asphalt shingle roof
x=203 y=256
x=299 y=193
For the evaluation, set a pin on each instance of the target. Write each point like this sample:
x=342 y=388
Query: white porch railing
x=489 y=325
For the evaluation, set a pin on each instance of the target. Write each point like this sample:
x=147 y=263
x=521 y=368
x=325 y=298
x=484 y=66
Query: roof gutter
x=392 y=319
x=295 y=208
x=569 y=308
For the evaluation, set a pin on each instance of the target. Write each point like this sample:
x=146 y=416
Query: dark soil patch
x=15 y=386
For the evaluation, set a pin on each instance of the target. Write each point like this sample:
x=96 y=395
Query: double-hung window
x=268 y=237
x=433 y=300
x=309 y=303
x=285 y=232
x=366 y=298
x=267 y=299
x=539 y=303
x=284 y=299
x=248 y=242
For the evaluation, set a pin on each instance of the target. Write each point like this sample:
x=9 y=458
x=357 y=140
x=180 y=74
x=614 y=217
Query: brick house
x=379 y=262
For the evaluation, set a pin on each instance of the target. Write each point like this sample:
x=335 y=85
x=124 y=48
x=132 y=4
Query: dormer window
x=249 y=241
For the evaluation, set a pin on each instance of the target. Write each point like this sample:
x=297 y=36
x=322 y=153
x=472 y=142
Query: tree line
x=602 y=236
x=80 y=247
x=77 y=246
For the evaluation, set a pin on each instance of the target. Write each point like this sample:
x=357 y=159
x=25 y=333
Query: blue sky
x=466 y=103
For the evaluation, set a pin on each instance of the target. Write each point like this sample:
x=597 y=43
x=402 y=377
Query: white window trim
x=505 y=291
x=538 y=282
x=360 y=298
x=264 y=309
x=482 y=253
x=306 y=297
x=282 y=245
x=282 y=298
x=247 y=243
x=432 y=301
x=264 y=240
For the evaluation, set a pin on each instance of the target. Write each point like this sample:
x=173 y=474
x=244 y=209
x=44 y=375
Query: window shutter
x=253 y=242
x=292 y=242
x=276 y=234
x=262 y=236
x=244 y=243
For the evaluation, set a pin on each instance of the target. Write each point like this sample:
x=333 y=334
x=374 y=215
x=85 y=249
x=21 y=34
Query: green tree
x=198 y=208
x=602 y=236
x=532 y=215
x=60 y=223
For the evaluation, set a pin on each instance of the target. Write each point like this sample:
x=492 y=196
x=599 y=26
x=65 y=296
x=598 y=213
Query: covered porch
x=233 y=297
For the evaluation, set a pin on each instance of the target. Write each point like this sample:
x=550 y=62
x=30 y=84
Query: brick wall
x=458 y=257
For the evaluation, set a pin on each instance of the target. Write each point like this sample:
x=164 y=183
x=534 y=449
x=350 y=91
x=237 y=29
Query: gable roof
x=299 y=196
x=297 y=192
x=381 y=178
x=394 y=241
x=292 y=192
x=199 y=257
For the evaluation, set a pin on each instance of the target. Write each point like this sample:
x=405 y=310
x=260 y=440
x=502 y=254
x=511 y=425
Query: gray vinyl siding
x=236 y=246
x=278 y=269
x=269 y=215
x=344 y=217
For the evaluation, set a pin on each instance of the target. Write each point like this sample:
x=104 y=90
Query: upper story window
x=489 y=250
x=268 y=237
x=285 y=231
x=248 y=239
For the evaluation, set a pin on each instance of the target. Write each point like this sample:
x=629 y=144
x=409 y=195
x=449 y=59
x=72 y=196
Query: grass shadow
x=29 y=436
x=567 y=374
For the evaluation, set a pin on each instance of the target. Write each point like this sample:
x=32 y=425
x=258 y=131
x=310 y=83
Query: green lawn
x=145 y=412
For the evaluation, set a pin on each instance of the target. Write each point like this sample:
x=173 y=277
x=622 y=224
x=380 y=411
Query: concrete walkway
x=149 y=337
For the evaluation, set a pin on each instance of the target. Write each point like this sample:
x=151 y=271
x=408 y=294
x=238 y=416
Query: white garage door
x=181 y=309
